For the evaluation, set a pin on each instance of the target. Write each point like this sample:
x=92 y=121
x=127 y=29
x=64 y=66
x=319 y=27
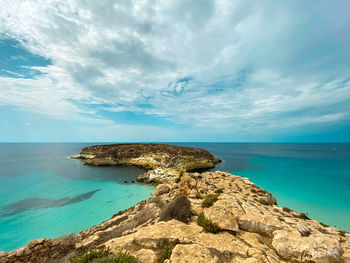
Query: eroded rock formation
x=251 y=230
x=249 y=226
x=164 y=161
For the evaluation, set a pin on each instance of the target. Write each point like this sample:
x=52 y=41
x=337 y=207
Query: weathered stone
x=146 y=255
x=303 y=229
x=315 y=248
x=252 y=231
x=225 y=219
x=192 y=253
x=162 y=189
x=55 y=254
x=45 y=251
x=38 y=247
x=166 y=161
x=261 y=224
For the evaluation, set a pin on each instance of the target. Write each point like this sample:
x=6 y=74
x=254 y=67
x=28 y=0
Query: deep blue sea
x=44 y=193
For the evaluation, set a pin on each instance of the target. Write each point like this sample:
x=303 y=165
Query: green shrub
x=207 y=225
x=219 y=191
x=210 y=200
x=167 y=250
x=199 y=196
x=124 y=257
x=263 y=201
x=105 y=256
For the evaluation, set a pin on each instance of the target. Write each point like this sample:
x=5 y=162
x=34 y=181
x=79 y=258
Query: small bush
x=167 y=250
x=219 y=191
x=124 y=257
x=179 y=209
x=210 y=200
x=105 y=256
x=199 y=196
x=263 y=201
x=207 y=225
x=261 y=241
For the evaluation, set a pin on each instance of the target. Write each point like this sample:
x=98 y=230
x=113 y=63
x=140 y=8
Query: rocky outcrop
x=249 y=226
x=250 y=230
x=42 y=250
x=165 y=162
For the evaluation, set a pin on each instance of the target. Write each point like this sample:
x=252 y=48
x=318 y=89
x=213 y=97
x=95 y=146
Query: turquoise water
x=310 y=178
x=46 y=194
x=317 y=187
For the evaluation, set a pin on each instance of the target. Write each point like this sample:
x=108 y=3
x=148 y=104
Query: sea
x=45 y=193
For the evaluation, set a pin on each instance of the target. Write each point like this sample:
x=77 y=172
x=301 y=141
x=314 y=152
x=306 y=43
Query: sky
x=184 y=70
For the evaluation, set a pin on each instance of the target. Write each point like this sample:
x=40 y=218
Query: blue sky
x=240 y=71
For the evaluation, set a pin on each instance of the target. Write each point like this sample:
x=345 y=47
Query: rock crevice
x=249 y=225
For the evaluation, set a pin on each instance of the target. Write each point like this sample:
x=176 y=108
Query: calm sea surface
x=44 y=193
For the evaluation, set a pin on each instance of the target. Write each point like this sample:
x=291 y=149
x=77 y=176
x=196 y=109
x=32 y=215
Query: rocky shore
x=163 y=161
x=201 y=217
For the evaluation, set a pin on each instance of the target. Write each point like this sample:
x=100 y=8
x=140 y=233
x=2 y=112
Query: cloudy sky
x=184 y=70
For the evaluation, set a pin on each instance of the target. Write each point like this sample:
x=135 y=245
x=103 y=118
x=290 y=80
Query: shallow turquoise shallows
x=309 y=178
x=44 y=193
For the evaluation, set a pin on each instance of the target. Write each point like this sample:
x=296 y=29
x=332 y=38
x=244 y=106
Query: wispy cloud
x=233 y=65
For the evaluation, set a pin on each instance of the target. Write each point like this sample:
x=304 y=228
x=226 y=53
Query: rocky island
x=164 y=161
x=193 y=217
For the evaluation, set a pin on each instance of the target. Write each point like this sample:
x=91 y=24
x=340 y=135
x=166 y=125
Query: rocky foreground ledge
x=202 y=217
x=164 y=161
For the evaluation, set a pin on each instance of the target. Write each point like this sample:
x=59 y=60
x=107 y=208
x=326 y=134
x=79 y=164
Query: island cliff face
x=202 y=217
x=164 y=161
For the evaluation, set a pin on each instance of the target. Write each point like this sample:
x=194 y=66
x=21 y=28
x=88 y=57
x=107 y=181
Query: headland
x=194 y=217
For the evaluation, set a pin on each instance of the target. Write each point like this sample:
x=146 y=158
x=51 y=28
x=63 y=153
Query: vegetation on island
x=209 y=200
x=104 y=255
x=207 y=224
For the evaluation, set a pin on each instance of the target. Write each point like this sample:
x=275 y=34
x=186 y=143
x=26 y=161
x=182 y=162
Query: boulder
x=162 y=189
x=319 y=248
x=192 y=253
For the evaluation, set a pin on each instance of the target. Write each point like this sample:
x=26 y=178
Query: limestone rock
x=165 y=161
x=317 y=248
x=303 y=229
x=261 y=224
x=192 y=253
x=146 y=255
x=223 y=217
x=162 y=189
x=252 y=231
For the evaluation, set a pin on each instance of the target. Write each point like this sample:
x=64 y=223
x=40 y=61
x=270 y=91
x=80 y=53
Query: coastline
x=243 y=212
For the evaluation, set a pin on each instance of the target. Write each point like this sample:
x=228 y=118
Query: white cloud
x=230 y=65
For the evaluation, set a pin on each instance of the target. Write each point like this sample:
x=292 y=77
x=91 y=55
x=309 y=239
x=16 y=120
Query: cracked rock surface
x=252 y=228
